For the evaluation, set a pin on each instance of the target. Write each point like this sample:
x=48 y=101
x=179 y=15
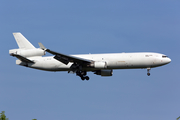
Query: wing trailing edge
x=65 y=58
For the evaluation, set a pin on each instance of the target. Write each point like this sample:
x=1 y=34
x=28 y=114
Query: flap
x=66 y=58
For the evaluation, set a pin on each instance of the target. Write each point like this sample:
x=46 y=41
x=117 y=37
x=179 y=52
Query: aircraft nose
x=168 y=60
x=165 y=60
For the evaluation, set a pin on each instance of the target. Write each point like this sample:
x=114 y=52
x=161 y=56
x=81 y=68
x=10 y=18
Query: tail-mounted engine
x=28 y=52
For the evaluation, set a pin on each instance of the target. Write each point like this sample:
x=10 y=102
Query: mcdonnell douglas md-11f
x=100 y=64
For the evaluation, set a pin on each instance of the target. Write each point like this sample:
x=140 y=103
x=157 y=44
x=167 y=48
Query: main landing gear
x=148 y=69
x=82 y=75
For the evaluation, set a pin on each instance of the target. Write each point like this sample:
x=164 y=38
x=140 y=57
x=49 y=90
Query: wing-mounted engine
x=28 y=52
x=99 y=64
x=104 y=72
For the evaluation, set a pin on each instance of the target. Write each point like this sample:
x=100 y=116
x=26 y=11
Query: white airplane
x=100 y=64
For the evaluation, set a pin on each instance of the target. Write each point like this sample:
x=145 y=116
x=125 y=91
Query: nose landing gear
x=82 y=75
x=148 y=73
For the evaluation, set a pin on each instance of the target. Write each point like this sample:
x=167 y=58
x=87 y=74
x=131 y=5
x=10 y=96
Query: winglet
x=42 y=46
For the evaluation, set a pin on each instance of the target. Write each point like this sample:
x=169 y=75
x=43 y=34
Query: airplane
x=100 y=64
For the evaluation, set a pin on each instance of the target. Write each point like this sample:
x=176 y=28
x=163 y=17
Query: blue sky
x=96 y=26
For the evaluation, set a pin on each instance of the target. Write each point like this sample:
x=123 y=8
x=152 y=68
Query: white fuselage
x=113 y=61
x=100 y=64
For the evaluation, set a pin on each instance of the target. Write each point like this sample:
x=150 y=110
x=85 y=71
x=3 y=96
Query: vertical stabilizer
x=22 y=42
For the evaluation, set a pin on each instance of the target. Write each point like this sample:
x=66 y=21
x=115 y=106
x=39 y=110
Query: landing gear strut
x=82 y=75
x=148 y=69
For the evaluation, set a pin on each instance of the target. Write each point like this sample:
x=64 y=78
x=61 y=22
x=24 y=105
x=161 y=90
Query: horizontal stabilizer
x=23 y=59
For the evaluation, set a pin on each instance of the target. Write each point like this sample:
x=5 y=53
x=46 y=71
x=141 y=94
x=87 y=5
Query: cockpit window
x=164 y=56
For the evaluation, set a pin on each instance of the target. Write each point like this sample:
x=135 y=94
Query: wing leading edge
x=66 y=58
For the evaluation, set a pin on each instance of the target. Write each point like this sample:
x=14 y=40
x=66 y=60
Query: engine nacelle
x=104 y=72
x=28 y=52
x=100 y=64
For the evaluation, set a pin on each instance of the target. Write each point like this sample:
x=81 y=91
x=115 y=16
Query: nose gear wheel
x=148 y=73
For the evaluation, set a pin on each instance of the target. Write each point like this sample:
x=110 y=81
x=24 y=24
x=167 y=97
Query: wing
x=66 y=58
x=21 y=58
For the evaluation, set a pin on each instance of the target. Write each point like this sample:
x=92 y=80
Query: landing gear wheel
x=82 y=75
x=83 y=78
x=148 y=71
x=87 y=78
